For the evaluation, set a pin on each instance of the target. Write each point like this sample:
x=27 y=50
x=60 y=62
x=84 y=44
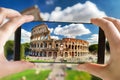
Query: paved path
x=57 y=72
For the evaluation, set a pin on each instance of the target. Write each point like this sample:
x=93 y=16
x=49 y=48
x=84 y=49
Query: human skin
x=6 y=29
x=109 y=71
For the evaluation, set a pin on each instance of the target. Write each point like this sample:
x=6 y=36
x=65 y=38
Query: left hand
x=15 y=20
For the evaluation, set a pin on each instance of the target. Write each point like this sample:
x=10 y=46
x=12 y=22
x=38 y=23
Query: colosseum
x=44 y=47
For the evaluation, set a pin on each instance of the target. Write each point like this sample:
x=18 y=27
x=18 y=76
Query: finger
x=8 y=28
x=110 y=30
x=22 y=65
x=95 y=69
x=2 y=55
x=7 y=13
x=14 y=67
x=116 y=22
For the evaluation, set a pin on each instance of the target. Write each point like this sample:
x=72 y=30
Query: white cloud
x=51 y=30
x=71 y=30
x=93 y=39
x=55 y=37
x=49 y=2
x=78 y=12
x=45 y=16
x=25 y=36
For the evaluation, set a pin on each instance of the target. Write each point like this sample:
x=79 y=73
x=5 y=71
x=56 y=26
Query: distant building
x=42 y=45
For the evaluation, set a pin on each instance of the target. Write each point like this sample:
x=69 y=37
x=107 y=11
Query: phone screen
x=59 y=42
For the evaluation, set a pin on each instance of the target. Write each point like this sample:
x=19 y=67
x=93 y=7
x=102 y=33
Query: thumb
x=94 y=69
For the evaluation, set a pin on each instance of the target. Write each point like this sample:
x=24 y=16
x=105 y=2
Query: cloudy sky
x=64 y=10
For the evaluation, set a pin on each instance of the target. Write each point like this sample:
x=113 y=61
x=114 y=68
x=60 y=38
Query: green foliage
x=22 y=52
x=29 y=74
x=8 y=48
x=93 y=48
x=26 y=46
x=95 y=78
x=77 y=75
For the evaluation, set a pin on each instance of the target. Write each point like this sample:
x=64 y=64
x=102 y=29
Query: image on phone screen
x=60 y=42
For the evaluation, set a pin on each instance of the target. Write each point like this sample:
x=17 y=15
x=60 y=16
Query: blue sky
x=67 y=10
x=110 y=7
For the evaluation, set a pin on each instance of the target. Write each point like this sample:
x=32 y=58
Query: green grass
x=40 y=61
x=77 y=75
x=29 y=74
x=37 y=61
x=70 y=75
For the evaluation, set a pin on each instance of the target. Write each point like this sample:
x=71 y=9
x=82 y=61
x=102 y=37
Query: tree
x=8 y=48
x=22 y=52
x=93 y=48
x=26 y=46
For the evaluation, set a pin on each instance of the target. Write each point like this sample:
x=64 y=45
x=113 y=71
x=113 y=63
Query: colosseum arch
x=45 y=45
x=66 y=54
x=48 y=47
x=41 y=45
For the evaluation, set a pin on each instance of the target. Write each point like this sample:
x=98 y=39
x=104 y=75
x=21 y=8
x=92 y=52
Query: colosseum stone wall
x=44 y=47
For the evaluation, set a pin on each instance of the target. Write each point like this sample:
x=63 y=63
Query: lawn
x=29 y=75
x=79 y=75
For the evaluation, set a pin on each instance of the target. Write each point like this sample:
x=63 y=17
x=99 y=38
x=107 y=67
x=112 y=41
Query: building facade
x=43 y=46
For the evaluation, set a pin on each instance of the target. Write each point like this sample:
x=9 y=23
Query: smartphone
x=60 y=42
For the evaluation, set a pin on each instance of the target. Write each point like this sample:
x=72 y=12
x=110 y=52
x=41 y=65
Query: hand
x=15 y=20
x=111 y=70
